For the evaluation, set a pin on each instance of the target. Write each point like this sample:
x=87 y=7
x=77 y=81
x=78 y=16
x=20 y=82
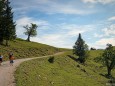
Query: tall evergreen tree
x=9 y=25
x=2 y=13
x=30 y=30
x=80 y=49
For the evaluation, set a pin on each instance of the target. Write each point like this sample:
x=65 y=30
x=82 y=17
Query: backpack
x=12 y=58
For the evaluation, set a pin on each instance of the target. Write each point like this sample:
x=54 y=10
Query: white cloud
x=102 y=42
x=51 y=7
x=26 y=20
x=110 y=30
x=99 y=1
x=111 y=18
x=98 y=35
x=73 y=29
x=75 y=32
x=57 y=40
x=91 y=1
x=67 y=9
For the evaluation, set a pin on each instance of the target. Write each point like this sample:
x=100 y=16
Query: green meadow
x=59 y=70
x=24 y=49
x=63 y=71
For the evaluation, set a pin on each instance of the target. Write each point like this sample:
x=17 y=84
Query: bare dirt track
x=7 y=71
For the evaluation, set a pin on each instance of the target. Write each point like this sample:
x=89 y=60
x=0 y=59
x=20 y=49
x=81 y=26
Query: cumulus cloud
x=102 y=42
x=98 y=35
x=73 y=29
x=28 y=20
x=110 y=30
x=57 y=40
x=91 y=1
x=111 y=18
x=99 y=1
x=106 y=41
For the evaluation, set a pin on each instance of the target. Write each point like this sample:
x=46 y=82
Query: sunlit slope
x=24 y=49
x=63 y=72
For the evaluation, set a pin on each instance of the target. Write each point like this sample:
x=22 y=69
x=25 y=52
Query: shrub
x=51 y=59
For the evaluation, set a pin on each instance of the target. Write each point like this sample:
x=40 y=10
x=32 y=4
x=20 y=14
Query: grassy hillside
x=24 y=49
x=63 y=72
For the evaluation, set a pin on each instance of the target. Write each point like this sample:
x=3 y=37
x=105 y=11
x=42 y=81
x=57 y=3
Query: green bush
x=51 y=59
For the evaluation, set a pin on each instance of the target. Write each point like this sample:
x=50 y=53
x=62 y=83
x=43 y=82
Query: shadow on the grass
x=72 y=57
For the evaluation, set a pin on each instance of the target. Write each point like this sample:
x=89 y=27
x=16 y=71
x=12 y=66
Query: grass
x=64 y=71
x=24 y=49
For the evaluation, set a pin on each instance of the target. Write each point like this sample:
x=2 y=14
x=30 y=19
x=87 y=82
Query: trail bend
x=7 y=71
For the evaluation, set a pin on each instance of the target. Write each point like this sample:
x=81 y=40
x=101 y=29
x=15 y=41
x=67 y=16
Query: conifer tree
x=80 y=49
x=2 y=13
x=9 y=25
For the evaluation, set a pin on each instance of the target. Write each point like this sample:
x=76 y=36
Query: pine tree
x=30 y=30
x=2 y=13
x=80 y=49
x=9 y=25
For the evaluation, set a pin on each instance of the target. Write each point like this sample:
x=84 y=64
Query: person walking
x=11 y=58
x=1 y=59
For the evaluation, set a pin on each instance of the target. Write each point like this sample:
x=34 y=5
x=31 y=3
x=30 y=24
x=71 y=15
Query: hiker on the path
x=11 y=58
x=1 y=59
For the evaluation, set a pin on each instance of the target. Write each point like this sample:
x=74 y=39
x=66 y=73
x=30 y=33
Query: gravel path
x=7 y=71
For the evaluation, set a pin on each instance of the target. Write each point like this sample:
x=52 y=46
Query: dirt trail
x=7 y=71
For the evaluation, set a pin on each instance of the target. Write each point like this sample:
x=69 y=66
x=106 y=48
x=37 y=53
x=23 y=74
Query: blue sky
x=60 y=21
